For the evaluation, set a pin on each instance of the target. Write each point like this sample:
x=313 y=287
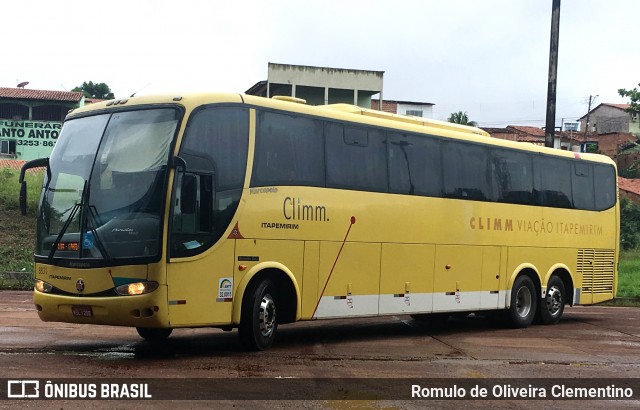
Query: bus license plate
x=82 y=311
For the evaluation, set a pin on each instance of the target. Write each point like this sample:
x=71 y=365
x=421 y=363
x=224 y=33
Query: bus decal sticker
x=225 y=290
x=235 y=233
x=248 y=259
x=294 y=209
x=405 y=296
x=276 y=225
x=263 y=190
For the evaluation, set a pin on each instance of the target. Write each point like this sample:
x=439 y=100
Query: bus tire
x=154 y=334
x=551 y=307
x=259 y=321
x=522 y=310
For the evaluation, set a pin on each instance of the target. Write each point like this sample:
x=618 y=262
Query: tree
x=461 y=118
x=634 y=95
x=97 y=90
x=629 y=224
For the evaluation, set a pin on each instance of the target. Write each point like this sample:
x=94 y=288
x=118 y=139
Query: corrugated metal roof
x=41 y=95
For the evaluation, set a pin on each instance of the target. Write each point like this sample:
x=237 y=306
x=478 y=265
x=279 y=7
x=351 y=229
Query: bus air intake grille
x=597 y=269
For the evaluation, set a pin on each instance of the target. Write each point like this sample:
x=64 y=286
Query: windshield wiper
x=88 y=216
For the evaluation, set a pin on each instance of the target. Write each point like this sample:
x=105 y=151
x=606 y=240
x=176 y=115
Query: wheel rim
x=523 y=301
x=554 y=300
x=267 y=317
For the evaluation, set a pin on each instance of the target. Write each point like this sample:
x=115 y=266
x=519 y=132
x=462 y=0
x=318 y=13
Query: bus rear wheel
x=552 y=306
x=522 y=310
x=154 y=334
x=259 y=321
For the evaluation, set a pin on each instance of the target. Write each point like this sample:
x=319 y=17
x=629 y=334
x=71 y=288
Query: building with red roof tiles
x=30 y=120
x=563 y=140
x=40 y=95
x=629 y=188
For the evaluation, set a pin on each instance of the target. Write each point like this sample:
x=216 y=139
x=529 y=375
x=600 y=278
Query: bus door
x=200 y=271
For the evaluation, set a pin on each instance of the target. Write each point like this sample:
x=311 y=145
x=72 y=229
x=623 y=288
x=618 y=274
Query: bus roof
x=339 y=111
x=427 y=122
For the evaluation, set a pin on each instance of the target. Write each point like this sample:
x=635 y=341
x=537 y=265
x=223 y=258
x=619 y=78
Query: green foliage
x=634 y=96
x=630 y=172
x=461 y=118
x=17 y=236
x=629 y=274
x=10 y=190
x=629 y=224
x=95 y=90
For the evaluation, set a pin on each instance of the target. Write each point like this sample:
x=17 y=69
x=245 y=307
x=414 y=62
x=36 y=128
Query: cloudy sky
x=489 y=58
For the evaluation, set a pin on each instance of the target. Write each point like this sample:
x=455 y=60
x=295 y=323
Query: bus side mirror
x=23 y=198
x=35 y=163
x=188 y=194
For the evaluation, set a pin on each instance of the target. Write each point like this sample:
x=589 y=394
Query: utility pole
x=553 y=75
x=586 y=123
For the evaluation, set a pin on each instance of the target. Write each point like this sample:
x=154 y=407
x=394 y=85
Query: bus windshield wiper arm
x=88 y=214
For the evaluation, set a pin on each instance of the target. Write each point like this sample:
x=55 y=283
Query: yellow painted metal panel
x=355 y=268
x=195 y=286
x=407 y=268
x=458 y=268
x=310 y=288
x=492 y=274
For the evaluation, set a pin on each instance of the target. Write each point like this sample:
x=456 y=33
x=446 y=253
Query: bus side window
x=552 y=190
x=414 y=165
x=466 y=172
x=289 y=151
x=356 y=158
x=512 y=177
x=605 y=186
x=582 y=186
x=188 y=194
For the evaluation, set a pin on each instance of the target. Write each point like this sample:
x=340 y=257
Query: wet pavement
x=590 y=342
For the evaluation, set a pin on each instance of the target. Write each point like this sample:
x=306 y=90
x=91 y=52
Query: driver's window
x=207 y=193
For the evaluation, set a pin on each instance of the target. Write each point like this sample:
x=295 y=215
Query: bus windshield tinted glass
x=105 y=195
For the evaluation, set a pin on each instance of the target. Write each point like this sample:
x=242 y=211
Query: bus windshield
x=105 y=194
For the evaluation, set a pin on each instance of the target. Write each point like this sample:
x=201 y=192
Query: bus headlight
x=42 y=286
x=137 y=288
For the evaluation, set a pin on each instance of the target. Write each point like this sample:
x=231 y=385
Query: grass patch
x=629 y=274
x=17 y=235
x=10 y=190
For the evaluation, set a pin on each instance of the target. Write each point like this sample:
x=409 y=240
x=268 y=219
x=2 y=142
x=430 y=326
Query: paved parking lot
x=590 y=342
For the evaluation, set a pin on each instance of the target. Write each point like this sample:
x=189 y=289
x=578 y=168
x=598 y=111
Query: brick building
x=413 y=108
x=629 y=188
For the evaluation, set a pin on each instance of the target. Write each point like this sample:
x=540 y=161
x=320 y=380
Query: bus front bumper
x=149 y=310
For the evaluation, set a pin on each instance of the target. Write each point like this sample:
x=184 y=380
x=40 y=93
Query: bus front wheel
x=523 y=302
x=552 y=306
x=259 y=322
x=154 y=334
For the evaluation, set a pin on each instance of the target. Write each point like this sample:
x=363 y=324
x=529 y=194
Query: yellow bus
x=235 y=211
